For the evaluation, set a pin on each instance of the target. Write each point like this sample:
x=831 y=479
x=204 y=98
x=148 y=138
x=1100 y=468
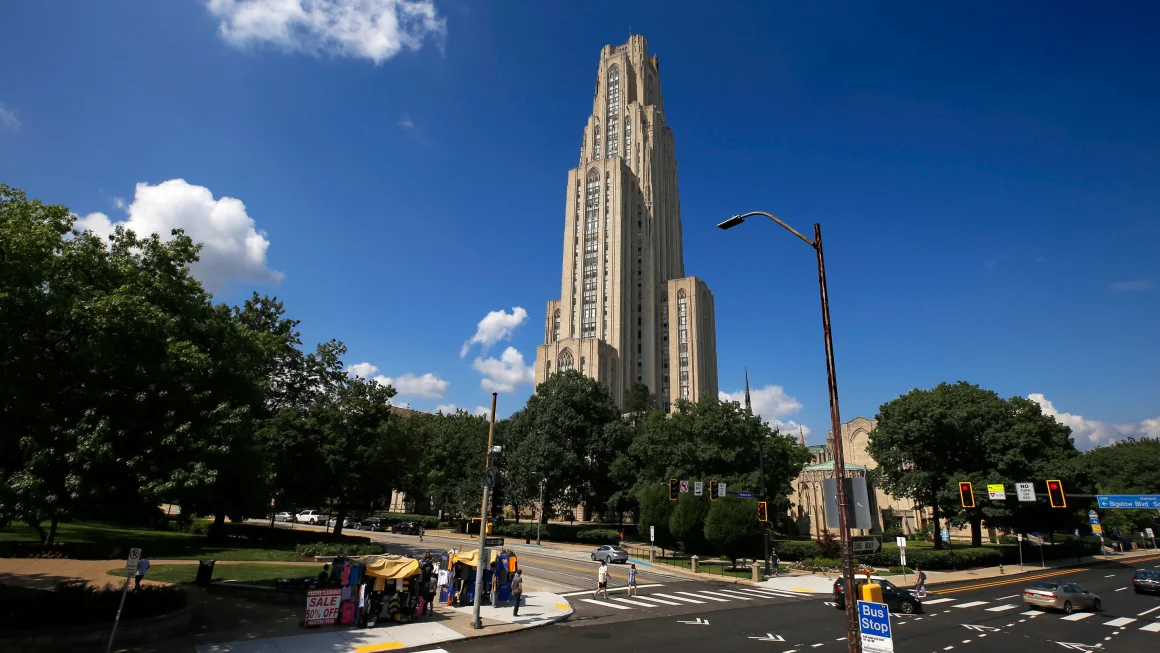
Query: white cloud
x=446 y=409
x=233 y=250
x=770 y=403
x=8 y=119
x=428 y=386
x=360 y=29
x=406 y=123
x=792 y=428
x=1096 y=432
x=495 y=326
x=482 y=410
x=505 y=373
x=1136 y=285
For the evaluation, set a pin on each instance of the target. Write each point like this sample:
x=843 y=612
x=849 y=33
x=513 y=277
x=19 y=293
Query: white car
x=310 y=517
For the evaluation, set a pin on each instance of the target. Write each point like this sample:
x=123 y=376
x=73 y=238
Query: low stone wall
x=261 y=593
x=95 y=637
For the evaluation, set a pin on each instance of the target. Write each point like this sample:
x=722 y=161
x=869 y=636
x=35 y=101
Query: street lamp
x=540 y=514
x=852 y=636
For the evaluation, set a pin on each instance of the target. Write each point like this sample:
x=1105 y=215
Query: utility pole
x=761 y=473
x=481 y=562
x=540 y=514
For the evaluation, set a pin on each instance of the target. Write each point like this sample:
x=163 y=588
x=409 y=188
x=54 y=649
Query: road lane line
x=605 y=604
x=611 y=589
x=1003 y=608
x=705 y=595
x=678 y=598
x=1148 y=611
x=1004 y=598
x=970 y=604
x=1032 y=613
x=653 y=597
x=727 y=594
x=1110 y=576
x=1152 y=627
x=1121 y=589
x=1122 y=621
x=938 y=601
x=634 y=602
x=1076 y=617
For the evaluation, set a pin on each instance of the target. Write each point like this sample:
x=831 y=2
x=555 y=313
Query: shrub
x=331 y=549
x=254 y=535
x=558 y=532
x=598 y=536
x=794 y=550
x=426 y=521
x=817 y=563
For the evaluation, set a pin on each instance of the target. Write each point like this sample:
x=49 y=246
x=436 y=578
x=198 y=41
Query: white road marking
x=705 y=596
x=633 y=602
x=1122 y=621
x=1004 y=598
x=653 y=597
x=1121 y=589
x=817 y=645
x=1152 y=627
x=678 y=598
x=605 y=604
x=970 y=604
x=1032 y=613
x=708 y=594
x=948 y=648
x=1109 y=576
x=1076 y=616
x=766 y=594
x=936 y=601
x=611 y=589
x=1148 y=611
x=1002 y=608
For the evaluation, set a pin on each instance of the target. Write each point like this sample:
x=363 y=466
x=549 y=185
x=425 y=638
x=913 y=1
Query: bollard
x=1001 y=572
x=652 y=555
x=756 y=572
x=695 y=564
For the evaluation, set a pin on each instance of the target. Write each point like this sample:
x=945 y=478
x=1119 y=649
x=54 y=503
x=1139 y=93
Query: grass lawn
x=708 y=568
x=242 y=573
x=155 y=543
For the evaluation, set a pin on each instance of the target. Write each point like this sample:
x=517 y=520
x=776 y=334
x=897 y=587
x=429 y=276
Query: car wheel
x=1067 y=608
x=1097 y=606
x=906 y=607
x=358 y=527
x=593 y=557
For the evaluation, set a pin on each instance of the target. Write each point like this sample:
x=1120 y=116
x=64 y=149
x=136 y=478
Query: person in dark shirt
x=323 y=577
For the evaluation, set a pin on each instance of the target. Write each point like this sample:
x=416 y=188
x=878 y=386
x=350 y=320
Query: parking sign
x=874 y=627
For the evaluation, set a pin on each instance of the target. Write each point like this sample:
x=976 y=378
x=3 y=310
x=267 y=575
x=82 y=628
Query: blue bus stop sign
x=874 y=627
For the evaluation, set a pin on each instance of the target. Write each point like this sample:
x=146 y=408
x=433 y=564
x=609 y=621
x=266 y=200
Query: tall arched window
x=613 y=109
x=628 y=138
x=581 y=364
x=683 y=342
x=549 y=363
x=591 y=254
x=596 y=142
x=665 y=348
x=556 y=326
x=565 y=362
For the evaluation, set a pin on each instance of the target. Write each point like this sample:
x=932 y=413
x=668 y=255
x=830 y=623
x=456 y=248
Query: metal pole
x=540 y=515
x=1020 y=553
x=481 y=562
x=761 y=473
x=853 y=638
x=116 y=621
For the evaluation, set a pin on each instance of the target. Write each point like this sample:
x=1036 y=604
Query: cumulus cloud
x=1136 y=285
x=1095 y=432
x=360 y=29
x=495 y=326
x=791 y=427
x=8 y=119
x=233 y=250
x=503 y=374
x=428 y=386
x=771 y=403
x=482 y=410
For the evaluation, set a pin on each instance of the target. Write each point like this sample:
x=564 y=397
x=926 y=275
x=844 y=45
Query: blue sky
x=985 y=175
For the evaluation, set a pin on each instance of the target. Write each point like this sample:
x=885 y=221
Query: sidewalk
x=444 y=625
x=934 y=578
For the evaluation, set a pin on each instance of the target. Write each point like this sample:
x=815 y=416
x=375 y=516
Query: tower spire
x=748 y=406
x=801 y=435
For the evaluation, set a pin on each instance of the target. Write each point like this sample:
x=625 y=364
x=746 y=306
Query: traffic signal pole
x=761 y=474
x=482 y=562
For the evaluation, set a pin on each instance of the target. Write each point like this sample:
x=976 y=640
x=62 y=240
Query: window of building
x=613 y=109
x=628 y=138
x=591 y=255
x=564 y=364
x=683 y=341
x=549 y=368
x=665 y=346
x=556 y=327
x=581 y=364
x=597 y=142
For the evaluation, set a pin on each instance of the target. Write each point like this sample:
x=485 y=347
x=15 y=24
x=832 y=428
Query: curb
x=1081 y=565
x=556 y=620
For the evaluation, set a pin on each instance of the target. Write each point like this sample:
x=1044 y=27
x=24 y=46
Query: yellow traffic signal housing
x=1055 y=494
x=713 y=490
x=967 y=494
x=674 y=489
x=762 y=512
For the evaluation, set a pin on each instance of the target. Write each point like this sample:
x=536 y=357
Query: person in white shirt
x=602 y=579
x=142 y=568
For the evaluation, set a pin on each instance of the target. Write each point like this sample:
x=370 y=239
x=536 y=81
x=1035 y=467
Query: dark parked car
x=372 y=524
x=899 y=599
x=1146 y=580
x=406 y=528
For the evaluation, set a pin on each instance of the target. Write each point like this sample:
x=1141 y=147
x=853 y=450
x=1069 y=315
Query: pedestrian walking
x=602 y=580
x=919 y=582
x=632 y=580
x=142 y=569
x=422 y=532
x=774 y=562
x=517 y=590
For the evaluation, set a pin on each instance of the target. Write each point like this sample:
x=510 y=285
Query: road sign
x=1025 y=491
x=1097 y=529
x=1148 y=532
x=857 y=503
x=874 y=626
x=865 y=544
x=489 y=477
x=997 y=492
x=901 y=542
x=1093 y=520
x=131 y=563
x=493 y=541
x=946 y=535
x=1093 y=513
x=744 y=495
x=1019 y=537
x=720 y=489
x=652 y=533
x=698 y=487
x=902 y=557
x=684 y=486
x=1135 y=501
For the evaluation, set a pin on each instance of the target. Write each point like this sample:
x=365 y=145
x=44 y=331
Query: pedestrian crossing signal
x=674 y=489
x=967 y=494
x=1055 y=494
x=713 y=490
x=762 y=512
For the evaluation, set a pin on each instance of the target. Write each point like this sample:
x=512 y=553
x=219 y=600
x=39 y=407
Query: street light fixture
x=852 y=637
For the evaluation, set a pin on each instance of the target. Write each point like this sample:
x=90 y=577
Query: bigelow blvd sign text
x=1135 y=501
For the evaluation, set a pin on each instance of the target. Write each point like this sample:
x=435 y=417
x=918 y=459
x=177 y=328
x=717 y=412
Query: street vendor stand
x=464 y=566
x=363 y=590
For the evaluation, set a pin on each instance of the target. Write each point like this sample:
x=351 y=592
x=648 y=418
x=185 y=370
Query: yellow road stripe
x=1024 y=579
x=372 y=648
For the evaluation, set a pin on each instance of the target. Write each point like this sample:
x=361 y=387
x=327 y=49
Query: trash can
x=205 y=572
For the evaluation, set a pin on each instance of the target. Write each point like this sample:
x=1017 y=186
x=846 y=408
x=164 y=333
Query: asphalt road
x=982 y=616
x=546 y=568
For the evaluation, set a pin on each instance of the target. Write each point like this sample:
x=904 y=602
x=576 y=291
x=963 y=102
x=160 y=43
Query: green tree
x=639 y=400
x=733 y=530
x=1130 y=466
x=451 y=470
x=687 y=522
x=655 y=511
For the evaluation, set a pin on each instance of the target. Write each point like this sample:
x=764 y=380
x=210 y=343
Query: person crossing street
x=602 y=580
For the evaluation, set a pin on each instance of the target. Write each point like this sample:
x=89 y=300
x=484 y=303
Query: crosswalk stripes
x=633 y=602
x=1122 y=621
x=677 y=598
x=1152 y=627
x=705 y=595
x=1003 y=608
x=937 y=601
x=1076 y=616
x=606 y=604
x=654 y=599
x=730 y=593
x=970 y=604
x=1032 y=613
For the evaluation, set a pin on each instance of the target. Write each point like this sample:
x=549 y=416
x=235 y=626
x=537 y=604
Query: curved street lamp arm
x=738 y=219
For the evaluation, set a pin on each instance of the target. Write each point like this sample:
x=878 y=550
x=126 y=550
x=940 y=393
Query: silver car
x=610 y=553
x=1067 y=597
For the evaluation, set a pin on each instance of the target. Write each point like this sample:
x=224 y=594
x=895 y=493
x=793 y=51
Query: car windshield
x=1051 y=587
x=1148 y=574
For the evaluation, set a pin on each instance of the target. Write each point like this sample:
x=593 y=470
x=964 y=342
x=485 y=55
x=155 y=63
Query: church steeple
x=748 y=406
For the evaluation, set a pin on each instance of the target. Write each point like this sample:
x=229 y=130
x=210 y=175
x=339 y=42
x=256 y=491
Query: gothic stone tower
x=627 y=313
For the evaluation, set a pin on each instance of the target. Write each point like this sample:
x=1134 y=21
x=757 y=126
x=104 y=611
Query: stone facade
x=627 y=313
x=887 y=512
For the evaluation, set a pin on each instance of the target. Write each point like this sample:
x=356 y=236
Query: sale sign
x=322 y=607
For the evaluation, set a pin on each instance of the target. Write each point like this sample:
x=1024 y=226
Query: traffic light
x=1055 y=494
x=762 y=512
x=967 y=494
x=674 y=489
x=713 y=490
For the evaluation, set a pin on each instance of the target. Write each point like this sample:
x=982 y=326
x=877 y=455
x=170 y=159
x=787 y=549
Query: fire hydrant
x=1001 y=568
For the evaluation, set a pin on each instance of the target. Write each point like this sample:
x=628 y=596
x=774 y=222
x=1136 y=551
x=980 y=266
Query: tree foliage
x=732 y=528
